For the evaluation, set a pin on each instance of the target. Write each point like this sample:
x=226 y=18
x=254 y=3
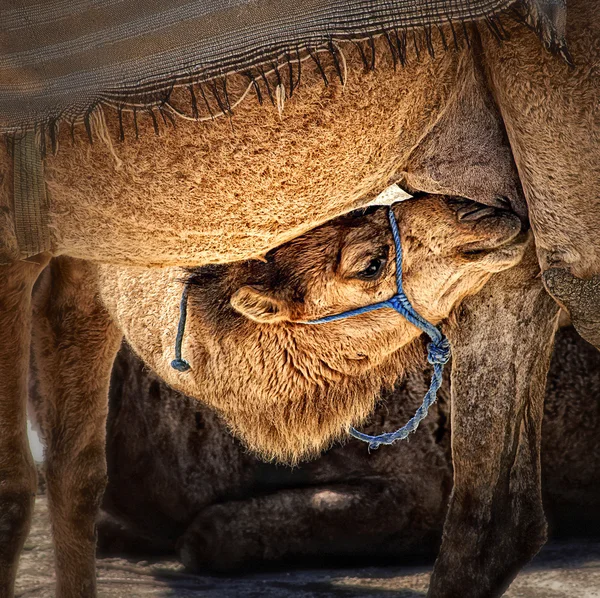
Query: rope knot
x=181 y=365
x=394 y=303
x=438 y=351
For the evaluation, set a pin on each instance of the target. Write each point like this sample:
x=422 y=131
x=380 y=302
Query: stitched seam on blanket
x=30 y=200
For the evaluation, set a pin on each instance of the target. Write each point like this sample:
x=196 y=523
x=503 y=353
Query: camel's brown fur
x=207 y=193
x=203 y=494
x=226 y=190
x=552 y=120
x=503 y=404
x=17 y=472
x=179 y=481
x=75 y=344
x=288 y=389
x=495 y=520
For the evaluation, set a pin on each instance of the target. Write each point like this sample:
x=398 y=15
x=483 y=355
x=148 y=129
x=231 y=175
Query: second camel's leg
x=17 y=471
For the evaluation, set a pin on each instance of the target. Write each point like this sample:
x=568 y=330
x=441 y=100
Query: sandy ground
x=560 y=571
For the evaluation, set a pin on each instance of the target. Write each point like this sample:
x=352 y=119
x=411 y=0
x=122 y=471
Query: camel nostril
x=503 y=202
x=475 y=212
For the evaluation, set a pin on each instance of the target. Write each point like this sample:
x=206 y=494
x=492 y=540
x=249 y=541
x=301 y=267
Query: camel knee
x=581 y=299
x=205 y=545
x=76 y=485
x=16 y=506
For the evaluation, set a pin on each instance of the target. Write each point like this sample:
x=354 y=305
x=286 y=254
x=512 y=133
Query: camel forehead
x=340 y=233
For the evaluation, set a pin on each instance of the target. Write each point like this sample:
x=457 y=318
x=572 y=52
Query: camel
x=287 y=388
x=179 y=482
x=247 y=341
x=236 y=188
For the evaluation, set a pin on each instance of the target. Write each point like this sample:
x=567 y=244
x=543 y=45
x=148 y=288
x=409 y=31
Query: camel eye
x=373 y=270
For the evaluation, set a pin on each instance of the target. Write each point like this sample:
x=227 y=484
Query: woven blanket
x=61 y=58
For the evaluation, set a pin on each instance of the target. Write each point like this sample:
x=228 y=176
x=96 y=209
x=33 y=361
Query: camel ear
x=259 y=305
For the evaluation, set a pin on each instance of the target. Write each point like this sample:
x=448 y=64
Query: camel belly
x=234 y=188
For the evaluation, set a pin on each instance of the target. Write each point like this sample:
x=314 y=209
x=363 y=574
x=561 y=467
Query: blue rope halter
x=438 y=350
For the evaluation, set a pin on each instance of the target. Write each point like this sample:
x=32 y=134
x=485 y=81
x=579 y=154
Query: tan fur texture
x=553 y=123
x=206 y=193
x=552 y=120
x=227 y=190
x=203 y=495
x=495 y=520
x=17 y=471
x=287 y=388
x=75 y=343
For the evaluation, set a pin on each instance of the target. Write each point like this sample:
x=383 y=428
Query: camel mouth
x=501 y=255
x=499 y=228
x=513 y=239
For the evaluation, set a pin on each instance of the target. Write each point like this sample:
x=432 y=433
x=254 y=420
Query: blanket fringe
x=546 y=17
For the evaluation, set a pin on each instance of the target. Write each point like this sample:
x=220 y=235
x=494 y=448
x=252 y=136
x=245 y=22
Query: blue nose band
x=438 y=350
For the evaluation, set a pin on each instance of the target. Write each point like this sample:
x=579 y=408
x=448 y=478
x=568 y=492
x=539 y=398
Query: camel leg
x=75 y=344
x=502 y=342
x=17 y=471
x=310 y=524
x=117 y=536
x=551 y=121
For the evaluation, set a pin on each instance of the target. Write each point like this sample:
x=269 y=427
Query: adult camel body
x=287 y=387
x=210 y=192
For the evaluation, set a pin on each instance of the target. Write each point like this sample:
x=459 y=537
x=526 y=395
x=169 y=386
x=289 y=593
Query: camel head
x=450 y=248
x=289 y=388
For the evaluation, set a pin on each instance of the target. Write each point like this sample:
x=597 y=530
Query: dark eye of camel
x=374 y=269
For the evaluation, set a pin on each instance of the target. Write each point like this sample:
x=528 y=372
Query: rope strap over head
x=438 y=350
